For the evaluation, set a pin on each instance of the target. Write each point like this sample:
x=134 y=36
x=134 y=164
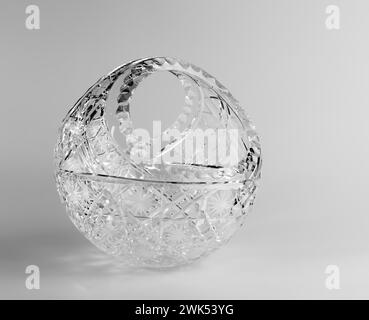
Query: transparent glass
x=157 y=206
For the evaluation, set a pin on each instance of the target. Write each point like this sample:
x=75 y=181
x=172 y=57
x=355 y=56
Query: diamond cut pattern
x=154 y=223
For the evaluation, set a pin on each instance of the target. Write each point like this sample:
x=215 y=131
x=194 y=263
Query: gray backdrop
x=305 y=87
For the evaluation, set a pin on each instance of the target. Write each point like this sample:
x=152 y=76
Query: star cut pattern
x=154 y=222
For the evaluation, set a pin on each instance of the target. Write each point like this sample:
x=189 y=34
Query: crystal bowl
x=160 y=208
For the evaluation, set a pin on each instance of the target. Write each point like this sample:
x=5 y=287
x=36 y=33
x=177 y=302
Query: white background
x=305 y=87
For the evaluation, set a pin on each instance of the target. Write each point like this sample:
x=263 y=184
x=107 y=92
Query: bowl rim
x=99 y=177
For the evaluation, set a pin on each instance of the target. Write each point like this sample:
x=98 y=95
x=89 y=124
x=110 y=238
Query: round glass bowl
x=157 y=204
